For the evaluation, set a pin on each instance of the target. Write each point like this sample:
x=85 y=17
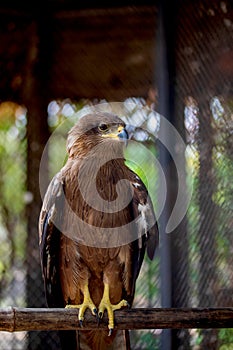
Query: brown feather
x=87 y=252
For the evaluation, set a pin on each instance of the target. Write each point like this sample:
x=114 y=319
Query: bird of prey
x=96 y=223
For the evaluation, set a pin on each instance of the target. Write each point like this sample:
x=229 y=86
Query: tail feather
x=99 y=340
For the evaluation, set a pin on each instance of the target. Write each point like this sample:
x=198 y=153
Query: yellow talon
x=87 y=303
x=105 y=304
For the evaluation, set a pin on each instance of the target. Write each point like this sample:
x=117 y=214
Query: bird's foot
x=87 y=304
x=105 y=304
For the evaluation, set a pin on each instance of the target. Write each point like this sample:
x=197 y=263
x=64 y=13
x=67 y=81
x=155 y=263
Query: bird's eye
x=103 y=127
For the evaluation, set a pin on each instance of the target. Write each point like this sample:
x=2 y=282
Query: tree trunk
x=35 y=98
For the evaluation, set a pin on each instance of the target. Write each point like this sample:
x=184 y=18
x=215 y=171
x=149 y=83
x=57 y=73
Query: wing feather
x=49 y=242
x=148 y=234
x=143 y=207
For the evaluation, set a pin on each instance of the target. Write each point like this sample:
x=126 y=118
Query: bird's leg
x=106 y=304
x=87 y=303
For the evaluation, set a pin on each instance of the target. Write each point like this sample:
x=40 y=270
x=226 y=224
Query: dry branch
x=25 y=319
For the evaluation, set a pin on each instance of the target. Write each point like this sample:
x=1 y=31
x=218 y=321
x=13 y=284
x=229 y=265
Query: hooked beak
x=123 y=135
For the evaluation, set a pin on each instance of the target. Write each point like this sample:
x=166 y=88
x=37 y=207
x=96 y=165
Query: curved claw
x=110 y=332
x=95 y=312
x=87 y=304
x=105 y=304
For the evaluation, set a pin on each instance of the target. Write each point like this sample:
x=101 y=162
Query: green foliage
x=226 y=338
x=12 y=204
x=150 y=340
x=145 y=339
x=193 y=220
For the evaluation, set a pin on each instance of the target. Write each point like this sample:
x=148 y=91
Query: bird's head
x=99 y=129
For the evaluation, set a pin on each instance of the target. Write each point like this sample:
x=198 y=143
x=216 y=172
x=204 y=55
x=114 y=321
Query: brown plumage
x=95 y=224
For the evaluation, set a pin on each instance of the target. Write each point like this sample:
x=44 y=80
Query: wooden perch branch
x=25 y=319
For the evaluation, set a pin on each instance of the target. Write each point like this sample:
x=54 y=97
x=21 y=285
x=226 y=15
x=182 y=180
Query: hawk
x=95 y=224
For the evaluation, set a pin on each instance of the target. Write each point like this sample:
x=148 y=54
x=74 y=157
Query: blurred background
x=170 y=58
